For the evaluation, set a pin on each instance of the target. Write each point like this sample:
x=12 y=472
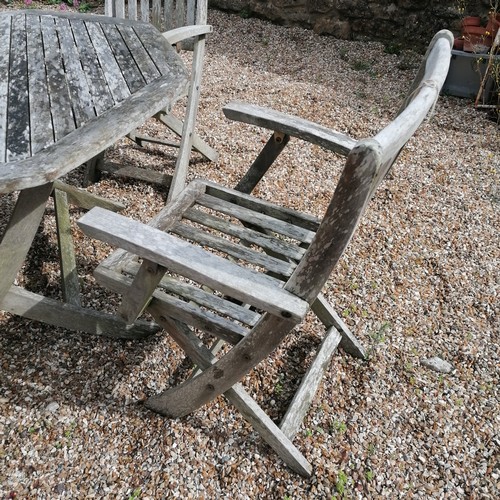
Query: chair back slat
x=367 y=164
x=120 y=8
x=180 y=14
x=144 y=11
x=170 y=20
x=190 y=12
x=156 y=14
x=132 y=10
x=164 y=14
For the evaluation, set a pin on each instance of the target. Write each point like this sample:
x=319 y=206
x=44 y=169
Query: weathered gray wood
x=156 y=17
x=42 y=130
x=177 y=35
x=290 y=125
x=185 y=22
x=83 y=199
x=145 y=10
x=62 y=157
x=199 y=144
x=116 y=82
x=309 y=384
x=69 y=273
x=250 y=410
x=323 y=244
x=256 y=218
x=121 y=283
x=98 y=87
x=299 y=219
x=180 y=257
x=182 y=163
x=138 y=295
x=81 y=99
x=121 y=52
x=39 y=308
x=265 y=241
x=19 y=233
x=180 y=310
x=5 y=23
x=264 y=160
x=229 y=369
x=148 y=69
x=79 y=91
x=60 y=99
x=18 y=128
x=234 y=249
x=327 y=315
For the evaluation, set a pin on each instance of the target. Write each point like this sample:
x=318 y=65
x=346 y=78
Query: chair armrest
x=290 y=125
x=177 y=35
x=193 y=262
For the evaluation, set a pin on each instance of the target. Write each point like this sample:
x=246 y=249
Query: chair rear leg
x=237 y=395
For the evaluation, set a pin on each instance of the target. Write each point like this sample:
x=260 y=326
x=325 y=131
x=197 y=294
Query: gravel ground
x=419 y=280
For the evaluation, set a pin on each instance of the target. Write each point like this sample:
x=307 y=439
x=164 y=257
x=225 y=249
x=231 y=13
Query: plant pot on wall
x=465 y=73
x=471 y=21
x=476 y=39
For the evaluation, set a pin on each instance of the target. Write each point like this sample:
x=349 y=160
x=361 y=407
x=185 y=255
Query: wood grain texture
x=5 y=34
x=54 y=55
x=61 y=314
x=193 y=262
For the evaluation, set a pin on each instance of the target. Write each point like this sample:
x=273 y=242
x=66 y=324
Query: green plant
x=245 y=13
x=341 y=483
x=343 y=54
x=84 y=7
x=379 y=336
x=369 y=475
x=360 y=65
x=392 y=48
x=135 y=494
x=338 y=426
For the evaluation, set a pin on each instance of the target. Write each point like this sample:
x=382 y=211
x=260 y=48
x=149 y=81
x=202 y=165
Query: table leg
x=14 y=246
x=20 y=232
x=69 y=274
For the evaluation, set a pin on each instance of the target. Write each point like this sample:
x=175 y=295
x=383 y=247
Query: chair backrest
x=164 y=14
x=367 y=164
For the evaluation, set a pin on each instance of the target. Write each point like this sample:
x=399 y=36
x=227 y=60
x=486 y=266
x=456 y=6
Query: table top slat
x=4 y=83
x=60 y=100
x=122 y=54
x=42 y=130
x=157 y=51
x=64 y=96
x=83 y=107
x=146 y=65
x=18 y=129
x=98 y=88
x=115 y=80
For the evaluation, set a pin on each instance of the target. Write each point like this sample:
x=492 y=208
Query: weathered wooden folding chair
x=184 y=24
x=220 y=263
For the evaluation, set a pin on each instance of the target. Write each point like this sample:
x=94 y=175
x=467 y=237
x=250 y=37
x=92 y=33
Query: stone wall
x=408 y=23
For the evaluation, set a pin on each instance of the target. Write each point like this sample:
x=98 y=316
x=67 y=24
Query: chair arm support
x=290 y=125
x=192 y=262
x=177 y=35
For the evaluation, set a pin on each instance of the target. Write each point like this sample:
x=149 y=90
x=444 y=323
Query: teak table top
x=73 y=84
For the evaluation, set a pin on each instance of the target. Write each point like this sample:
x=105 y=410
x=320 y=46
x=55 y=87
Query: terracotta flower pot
x=477 y=39
x=458 y=43
x=471 y=21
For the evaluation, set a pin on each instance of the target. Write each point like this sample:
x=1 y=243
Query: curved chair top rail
x=367 y=164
